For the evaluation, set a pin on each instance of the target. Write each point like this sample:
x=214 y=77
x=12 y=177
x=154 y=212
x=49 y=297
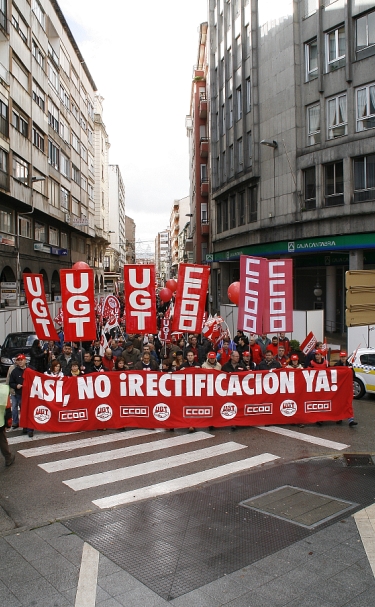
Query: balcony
x=4 y=74
x=203 y=147
x=205 y=186
x=4 y=181
x=205 y=227
x=202 y=106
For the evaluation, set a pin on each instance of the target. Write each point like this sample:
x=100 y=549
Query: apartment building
x=47 y=134
x=115 y=255
x=162 y=257
x=179 y=220
x=130 y=240
x=292 y=119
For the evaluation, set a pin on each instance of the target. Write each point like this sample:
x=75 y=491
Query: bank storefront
x=319 y=270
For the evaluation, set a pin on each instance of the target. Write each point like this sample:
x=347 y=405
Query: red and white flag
x=77 y=290
x=308 y=343
x=190 y=301
x=253 y=285
x=139 y=288
x=59 y=319
x=39 y=311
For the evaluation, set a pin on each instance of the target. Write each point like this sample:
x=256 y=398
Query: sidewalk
x=330 y=567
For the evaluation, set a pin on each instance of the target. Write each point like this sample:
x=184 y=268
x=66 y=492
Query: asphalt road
x=48 y=482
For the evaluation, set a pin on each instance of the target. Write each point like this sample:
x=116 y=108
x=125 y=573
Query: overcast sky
x=141 y=57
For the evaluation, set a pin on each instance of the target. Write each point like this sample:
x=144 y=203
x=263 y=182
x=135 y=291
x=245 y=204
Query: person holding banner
x=294 y=362
x=246 y=360
x=268 y=362
x=211 y=362
x=147 y=363
x=55 y=370
x=318 y=362
x=234 y=364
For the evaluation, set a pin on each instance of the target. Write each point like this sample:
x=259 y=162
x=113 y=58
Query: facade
x=178 y=223
x=47 y=181
x=130 y=240
x=115 y=255
x=197 y=126
x=292 y=116
x=162 y=257
x=101 y=185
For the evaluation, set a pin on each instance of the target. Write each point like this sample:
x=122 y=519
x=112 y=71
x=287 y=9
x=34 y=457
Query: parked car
x=14 y=344
x=363 y=362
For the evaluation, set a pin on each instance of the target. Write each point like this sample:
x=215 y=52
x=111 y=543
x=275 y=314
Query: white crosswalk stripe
x=121 y=474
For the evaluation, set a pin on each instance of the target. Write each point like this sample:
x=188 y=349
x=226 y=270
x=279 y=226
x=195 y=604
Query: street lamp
x=270 y=143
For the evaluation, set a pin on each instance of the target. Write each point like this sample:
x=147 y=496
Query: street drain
x=353 y=460
x=299 y=506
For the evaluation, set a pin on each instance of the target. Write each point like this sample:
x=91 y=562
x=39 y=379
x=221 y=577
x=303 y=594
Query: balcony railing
x=4 y=126
x=4 y=180
x=4 y=74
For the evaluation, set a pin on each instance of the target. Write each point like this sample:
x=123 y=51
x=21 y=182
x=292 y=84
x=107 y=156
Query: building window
x=83 y=183
x=19 y=25
x=366 y=107
x=241 y=209
x=309 y=184
x=64 y=97
x=53 y=237
x=39 y=12
x=224 y=208
x=53 y=154
x=337 y=117
x=232 y=212
x=84 y=125
x=4 y=179
x=230 y=111
x=240 y=153
x=223 y=167
x=75 y=111
x=20 y=122
x=248 y=95
x=75 y=142
x=364 y=178
x=248 y=40
x=54 y=193
x=204 y=212
x=74 y=78
x=311 y=6
x=311 y=54
x=20 y=73
x=4 y=124
x=252 y=202
x=53 y=76
x=39 y=231
x=37 y=54
x=39 y=96
x=335 y=48
x=75 y=174
x=64 y=240
x=313 y=124
x=53 y=115
x=75 y=206
x=223 y=119
x=334 y=184
x=90 y=109
x=64 y=199
x=91 y=166
x=38 y=139
x=90 y=136
x=6 y=221
x=64 y=165
x=239 y=102
x=203 y=173
x=231 y=160
x=20 y=169
x=64 y=130
x=238 y=50
x=53 y=55
x=365 y=35
x=83 y=152
x=90 y=191
x=249 y=149
x=64 y=62
x=24 y=227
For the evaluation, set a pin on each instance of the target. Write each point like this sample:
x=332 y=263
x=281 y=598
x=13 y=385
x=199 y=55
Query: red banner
x=192 y=283
x=78 y=304
x=39 y=311
x=278 y=304
x=140 y=309
x=198 y=397
x=253 y=285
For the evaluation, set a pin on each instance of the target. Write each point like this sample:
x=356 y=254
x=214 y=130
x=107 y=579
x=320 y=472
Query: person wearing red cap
x=211 y=362
x=318 y=362
x=343 y=362
x=294 y=362
x=15 y=382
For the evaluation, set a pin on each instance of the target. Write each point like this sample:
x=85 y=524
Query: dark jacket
x=152 y=366
x=16 y=377
x=265 y=366
x=229 y=368
x=65 y=364
x=38 y=359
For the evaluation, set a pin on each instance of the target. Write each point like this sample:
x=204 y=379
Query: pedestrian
x=55 y=370
x=274 y=345
x=131 y=355
x=177 y=361
x=247 y=361
x=38 y=357
x=234 y=364
x=16 y=382
x=87 y=364
x=223 y=355
x=120 y=364
x=108 y=360
x=5 y=417
x=97 y=364
x=318 y=362
x=268 y=363
x=256 y=350
x=147 y=363
x=75 y=371
x=66 y=358
x=281 y=357
x=14 y=402
x=294 y=362
x=212 y=362
x=263 y=341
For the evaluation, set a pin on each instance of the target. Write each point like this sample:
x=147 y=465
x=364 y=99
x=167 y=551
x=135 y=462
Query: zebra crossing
x=154 y=448
x=198 y=452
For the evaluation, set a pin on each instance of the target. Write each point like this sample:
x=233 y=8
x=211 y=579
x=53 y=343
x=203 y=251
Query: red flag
x=139 y=288
x=253 y=285
x=77 y=290
x=308 y=343
x=190 y=300
x=59 y=317
x=278 y=305
x=39 y=311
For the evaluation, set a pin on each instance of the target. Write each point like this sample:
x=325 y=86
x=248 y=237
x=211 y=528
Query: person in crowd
x=274 y=345
x=190 y=361
x=38 y=357
x=294 y=362
x=53 y=351
x=14 y=402
x=146 y=363
x=263 y=341
x=284 y=341
x=281 y=357
x=269 y=362
x=177 y=361
x=54 y=369
x=87 y=364
x=131 y=355
x=66 y=358
x=78 y=352
x=247 y=361
x=120 y=364
x=311 y=354
x=211 y=362
x=223 y=354
x=318 y=362
x=196 y=349
x=60 y=335
x=242 y=346
x=97 y=364
x=75 y=370
x=108 y=360
x=136 y=341
x=4 y=446
x=116 y=348
x=240 y=335
x=149 y=347
x=16 y=382
x=343 y=362
x=234 y=364
x=95 y=348
x=256 y=350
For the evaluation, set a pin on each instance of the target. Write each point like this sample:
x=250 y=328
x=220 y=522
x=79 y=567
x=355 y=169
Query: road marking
x=105 y=456
x=88 y=576
x=184 y=482
x=23 y=438
x=315 y=440
x=86 y=442
x=121 y=474
x=365 y=520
